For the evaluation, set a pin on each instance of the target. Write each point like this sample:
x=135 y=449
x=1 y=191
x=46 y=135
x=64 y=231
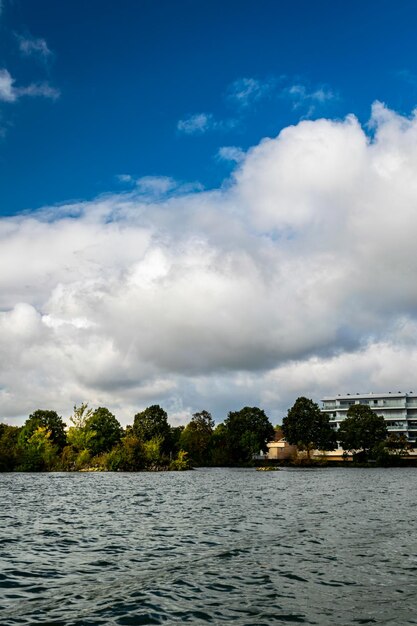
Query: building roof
x=356 y=396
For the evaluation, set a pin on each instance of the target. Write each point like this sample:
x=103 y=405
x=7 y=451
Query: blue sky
x=128 y=72
x=206 y=204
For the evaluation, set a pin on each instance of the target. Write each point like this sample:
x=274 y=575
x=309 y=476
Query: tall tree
x=361 y=430
x=153 y=423
x=247 y=433
x=105 y=431
x=79 y=434
x=196 y=437
x=307 y=427
x=45 y=419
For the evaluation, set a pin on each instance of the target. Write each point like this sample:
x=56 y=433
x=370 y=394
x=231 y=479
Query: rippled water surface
x=325 y=546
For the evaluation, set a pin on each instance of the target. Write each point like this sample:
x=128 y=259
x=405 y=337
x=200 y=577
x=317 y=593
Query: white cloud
x=246 y=91
x=30 y=46
x=10 y=93
x=201 y=123
x=242 y=93
x=155 y=185
x=301 y=96
x=231 y=153
x=198 y=123
x=39 y=89
x=125 y=178
x=7 y=91
x=296 y=277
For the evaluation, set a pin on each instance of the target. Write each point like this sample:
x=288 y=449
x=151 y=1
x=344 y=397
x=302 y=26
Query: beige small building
x=280 y=449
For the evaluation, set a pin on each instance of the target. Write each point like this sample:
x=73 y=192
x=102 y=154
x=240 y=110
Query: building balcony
x=390 y=404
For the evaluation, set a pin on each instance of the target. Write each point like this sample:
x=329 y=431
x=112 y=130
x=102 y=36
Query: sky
x=205 y=204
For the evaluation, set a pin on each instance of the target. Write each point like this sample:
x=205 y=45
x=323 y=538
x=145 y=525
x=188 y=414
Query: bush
x=181 y=463
x=82 y=460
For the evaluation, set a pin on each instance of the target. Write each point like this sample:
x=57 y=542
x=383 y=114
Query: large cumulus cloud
x=297 y=276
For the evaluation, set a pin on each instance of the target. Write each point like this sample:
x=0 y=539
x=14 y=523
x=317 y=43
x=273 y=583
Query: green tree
x=361 y=431
x=105 y=431
x=42 y=441
x=39 y=453
x=219 y=453
x=153 y=451
x=127 y=456
x=133 y=454
x=175 y=438
x=196 y=438
x=80 y=434
x=247 y=433
x=153 y=423
x=45 y=419
x=307 y=427
x=9 y=448
x=30 y=460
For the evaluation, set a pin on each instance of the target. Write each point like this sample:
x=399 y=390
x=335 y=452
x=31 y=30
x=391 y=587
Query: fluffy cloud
x=295 y=277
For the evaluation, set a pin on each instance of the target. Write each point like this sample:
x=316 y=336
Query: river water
x=323 y=546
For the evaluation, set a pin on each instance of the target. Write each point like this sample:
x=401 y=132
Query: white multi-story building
x=398 y=409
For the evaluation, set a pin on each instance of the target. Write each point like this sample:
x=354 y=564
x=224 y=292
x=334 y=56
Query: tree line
x=95 y=440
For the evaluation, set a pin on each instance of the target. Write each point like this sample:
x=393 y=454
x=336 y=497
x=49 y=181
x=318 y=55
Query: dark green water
x=328 y=546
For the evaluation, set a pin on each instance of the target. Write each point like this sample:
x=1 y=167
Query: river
x=222 y=546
